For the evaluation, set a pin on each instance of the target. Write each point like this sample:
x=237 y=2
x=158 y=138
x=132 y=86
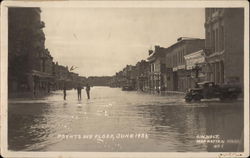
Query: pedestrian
x=79 y=93
x=64 y=92
x=87 y=90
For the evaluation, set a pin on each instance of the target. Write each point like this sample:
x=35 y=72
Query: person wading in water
x=79 y=92
x=64 y=92
x=87 y=90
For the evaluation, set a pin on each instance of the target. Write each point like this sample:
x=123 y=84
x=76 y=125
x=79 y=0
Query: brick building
x=129 y=75
x=27 y=72
x=31 y=70
x=224 y=28
x=142 y=72
x=157 y=64
x=196 y=68
x=177 y=77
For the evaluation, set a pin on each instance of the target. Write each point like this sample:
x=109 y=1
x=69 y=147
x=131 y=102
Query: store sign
x=195 y=59
x=181 y=66
x=175 y=68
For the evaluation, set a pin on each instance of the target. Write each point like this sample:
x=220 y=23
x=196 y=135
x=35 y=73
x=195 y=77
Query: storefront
x=41 y=83
x=195 y=68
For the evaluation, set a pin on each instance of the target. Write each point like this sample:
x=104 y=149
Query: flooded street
x=115 y=120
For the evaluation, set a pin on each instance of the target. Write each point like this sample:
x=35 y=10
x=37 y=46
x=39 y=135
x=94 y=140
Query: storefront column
x=31 y=83
x=222 y=71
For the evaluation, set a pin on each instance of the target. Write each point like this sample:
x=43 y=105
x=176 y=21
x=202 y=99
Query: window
x=43 y=65
x=217 y=39
x=172 y=61
x=221 y=38
x=179 y=57
x=208 y=40
x=175 y=58
x=183 y=56
x=207 y=13
x=210 y=12
x=213 y=41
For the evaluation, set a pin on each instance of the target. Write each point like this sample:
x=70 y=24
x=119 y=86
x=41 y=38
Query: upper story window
x=221 y=38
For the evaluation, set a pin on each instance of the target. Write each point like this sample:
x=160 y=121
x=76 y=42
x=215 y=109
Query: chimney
x=150 y=52
x=179 y=39
x=158 y=49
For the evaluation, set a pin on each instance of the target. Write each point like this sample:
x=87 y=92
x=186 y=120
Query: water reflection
x=225 y=120
x=172 y=124
x=27 y=125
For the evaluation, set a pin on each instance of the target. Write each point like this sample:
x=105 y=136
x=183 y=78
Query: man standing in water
x=64 y=92
x=87 y=90
x=79 y=93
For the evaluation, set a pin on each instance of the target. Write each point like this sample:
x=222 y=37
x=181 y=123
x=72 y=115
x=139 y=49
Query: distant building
x=117 y=80
x=142 y=73
x=225 y=44
x=129 y=75
x=177 y=77
x=74 y=80
x=99 y=80
x=63 y=76
x=157 y=64
x=83 y=79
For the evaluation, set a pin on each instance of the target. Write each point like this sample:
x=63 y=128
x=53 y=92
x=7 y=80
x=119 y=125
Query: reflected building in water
x=183 y=124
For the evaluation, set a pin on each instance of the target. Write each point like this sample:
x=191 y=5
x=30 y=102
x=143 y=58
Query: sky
x=102 y=41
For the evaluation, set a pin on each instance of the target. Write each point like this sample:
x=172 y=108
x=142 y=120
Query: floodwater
x=122 y=121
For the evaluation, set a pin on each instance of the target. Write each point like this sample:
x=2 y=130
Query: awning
x=41 y=74
x=194 y=58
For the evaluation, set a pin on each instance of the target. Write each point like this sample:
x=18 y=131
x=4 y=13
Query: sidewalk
x=173 y=92
x=166 y=92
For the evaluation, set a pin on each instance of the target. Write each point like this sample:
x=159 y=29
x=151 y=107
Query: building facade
x=142 y=73
x=26 y=72
x=196 y=67
x=177 y=75
x=31 y=70
x=224 y=28
x=157 y=66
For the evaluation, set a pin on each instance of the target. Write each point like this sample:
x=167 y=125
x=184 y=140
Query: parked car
x=127 y=88
x=208 y=90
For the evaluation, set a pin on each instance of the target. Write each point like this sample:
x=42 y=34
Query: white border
x=119 y=4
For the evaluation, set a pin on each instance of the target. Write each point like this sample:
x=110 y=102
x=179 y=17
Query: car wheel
x=188 y=99
x=222 y=98
x=197 y=98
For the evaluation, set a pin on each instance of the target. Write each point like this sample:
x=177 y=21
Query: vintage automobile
x=209 y=90
x=127 y=88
